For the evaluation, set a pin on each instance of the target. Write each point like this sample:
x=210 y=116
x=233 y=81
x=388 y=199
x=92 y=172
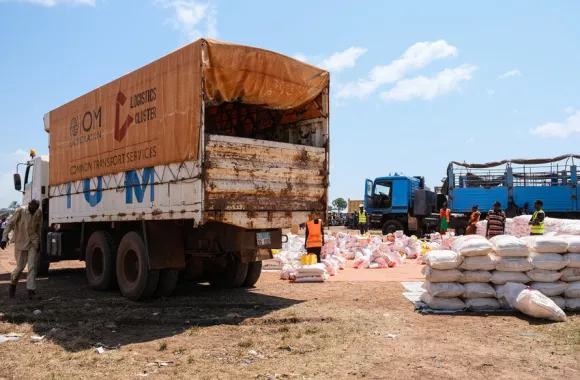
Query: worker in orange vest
x=314 y=237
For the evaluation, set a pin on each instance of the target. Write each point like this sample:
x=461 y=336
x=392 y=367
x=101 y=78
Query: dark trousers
x=315 y=251
x=363 y=227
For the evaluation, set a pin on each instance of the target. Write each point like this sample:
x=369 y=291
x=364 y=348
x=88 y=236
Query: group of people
x=496 y=219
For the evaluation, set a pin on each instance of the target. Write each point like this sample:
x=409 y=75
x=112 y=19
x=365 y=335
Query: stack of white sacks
x=519 y=226
x=473 y=274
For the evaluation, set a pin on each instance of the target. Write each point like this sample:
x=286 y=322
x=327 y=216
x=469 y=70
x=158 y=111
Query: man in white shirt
x=27 y=225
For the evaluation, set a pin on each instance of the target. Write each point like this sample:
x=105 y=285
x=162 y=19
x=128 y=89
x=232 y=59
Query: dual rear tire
x=127 y=266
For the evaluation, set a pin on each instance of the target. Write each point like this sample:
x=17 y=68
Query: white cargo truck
x=193 y=164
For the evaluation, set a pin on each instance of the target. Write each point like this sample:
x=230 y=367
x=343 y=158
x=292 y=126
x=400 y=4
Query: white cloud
x=444 y=82
x=569 y=110
x=52 y=3
x=470 y=140
x=301 y=57
x=511 y=73
x=340 y=61
x=415 y=57
x=490 y=91
x=563 y=129
x=193 y=19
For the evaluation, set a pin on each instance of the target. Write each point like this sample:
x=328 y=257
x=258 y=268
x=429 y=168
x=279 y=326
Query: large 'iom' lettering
x=133 y=184
x=97 y=197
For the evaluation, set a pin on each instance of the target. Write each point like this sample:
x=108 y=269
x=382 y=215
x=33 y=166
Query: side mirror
x=17 y=182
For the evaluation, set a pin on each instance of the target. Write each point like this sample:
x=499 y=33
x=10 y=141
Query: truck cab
x=400 y=202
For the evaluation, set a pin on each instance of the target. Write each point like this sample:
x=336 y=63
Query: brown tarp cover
x=152 y=116
x=523 y=161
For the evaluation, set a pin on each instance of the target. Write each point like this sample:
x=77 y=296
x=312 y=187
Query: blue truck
x=403 y=203
x=399 y=202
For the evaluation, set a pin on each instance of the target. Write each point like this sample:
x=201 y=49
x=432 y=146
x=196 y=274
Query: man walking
x=362 y=220
x=27 y=226
x=537 y=221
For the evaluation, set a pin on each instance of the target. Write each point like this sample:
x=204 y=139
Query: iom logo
x=135 y=188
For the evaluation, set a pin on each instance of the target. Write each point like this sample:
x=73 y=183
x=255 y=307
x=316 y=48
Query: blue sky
x=414 y=84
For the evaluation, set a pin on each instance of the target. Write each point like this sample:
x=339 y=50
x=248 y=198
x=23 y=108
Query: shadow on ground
x=76 y=317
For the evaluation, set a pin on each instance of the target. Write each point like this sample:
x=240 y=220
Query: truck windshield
x=28 y=177
x=382 y=195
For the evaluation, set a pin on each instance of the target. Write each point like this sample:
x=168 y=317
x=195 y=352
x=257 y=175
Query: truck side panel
x=161 y=192
x=556 y=198
x=461 y=200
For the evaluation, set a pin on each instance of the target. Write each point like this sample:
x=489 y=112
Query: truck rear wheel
x=167 y=282
x=135 y=279
x=391 y=226
x=254 y=272
x=232 y=275
x=100 y=258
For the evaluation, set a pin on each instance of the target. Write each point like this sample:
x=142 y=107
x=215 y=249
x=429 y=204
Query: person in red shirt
x=445 y=216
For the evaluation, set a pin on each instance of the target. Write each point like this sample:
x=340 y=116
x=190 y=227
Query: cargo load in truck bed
x=212 y=131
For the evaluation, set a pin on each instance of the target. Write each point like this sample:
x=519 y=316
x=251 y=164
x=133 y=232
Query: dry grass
x=208 y=334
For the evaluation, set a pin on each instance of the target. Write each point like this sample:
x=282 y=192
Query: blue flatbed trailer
x=520 y=182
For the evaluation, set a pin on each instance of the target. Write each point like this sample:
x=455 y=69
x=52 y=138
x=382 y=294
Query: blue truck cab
x=399 y=202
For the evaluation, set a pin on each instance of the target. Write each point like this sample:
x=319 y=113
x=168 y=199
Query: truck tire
x=135 y=279
x=254 y=272
x=167 y=283
x=232 y=275
x=391 y=226
x=100 y=259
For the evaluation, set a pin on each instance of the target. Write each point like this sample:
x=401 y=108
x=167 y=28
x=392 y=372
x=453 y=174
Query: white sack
x=475 y=276
x=472 y=245
x=435 y=275
x=542 y=275
x=532 y=302
x=478 y=263
x=570 y=227
x=444 y=289
x=500 y=278
x=548 y=244
x=570 y=274
x=573 y=244
x=499 y=291
x=509 y=246
x=442 y=259
x=482 y=304
x=559 y=301
x=573 y=290
x=513 y=264
x=315 y=269
x=479 y=290
x=437 y=303
x=573 y=260
x=309 y=279
x=548 y=261
x=550 y=289
x=573 y=304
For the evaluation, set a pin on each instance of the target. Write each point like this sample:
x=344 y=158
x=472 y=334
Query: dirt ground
x=335 y=330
